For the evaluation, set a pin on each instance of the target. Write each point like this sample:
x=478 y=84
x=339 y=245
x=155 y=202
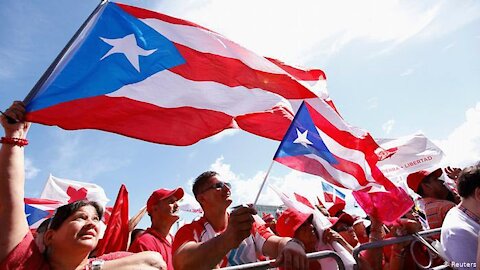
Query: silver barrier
x=266 y=264
x=396 y=240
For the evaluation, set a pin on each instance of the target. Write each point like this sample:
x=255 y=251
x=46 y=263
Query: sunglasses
x=218 y=185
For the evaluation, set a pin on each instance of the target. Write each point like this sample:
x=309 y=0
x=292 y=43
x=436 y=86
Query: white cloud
x=223 y=134
x=245 y=188
x=462 y=146
x=407 y=72
x=294 y=31
x=372 y=103
x=30 y=170
x=388 y=126
x=449 y=46
x=77 y=160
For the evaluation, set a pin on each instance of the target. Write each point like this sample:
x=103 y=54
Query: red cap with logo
x=414 y=179
x=161 y=194
x=290 y=221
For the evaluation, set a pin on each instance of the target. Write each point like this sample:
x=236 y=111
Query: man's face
x=167 y=209
x=437 y=187
x=215 y=193
x=307 y=235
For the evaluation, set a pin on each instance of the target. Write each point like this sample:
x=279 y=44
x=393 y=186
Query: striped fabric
x=161 y=79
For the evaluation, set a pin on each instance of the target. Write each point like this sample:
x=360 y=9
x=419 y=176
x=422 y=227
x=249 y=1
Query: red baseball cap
x=334 y=209
x=290 y=221
x=161 y=194
x=345 y=218
x=414 y=179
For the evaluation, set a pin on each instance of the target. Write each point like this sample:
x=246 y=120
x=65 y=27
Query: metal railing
x=396 y=240
x=266 y=264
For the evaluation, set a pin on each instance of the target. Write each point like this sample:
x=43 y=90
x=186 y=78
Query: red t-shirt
x=151 y=240
x=27 y=256
x=248 y=251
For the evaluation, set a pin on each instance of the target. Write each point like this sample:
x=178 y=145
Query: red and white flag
x=408 y=154
x=67 y=191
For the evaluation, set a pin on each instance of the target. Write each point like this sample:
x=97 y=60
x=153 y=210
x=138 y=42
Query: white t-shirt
x=459 y=239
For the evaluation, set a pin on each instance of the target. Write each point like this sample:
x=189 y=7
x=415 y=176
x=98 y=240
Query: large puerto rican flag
x=161 y=79
x=319 y=142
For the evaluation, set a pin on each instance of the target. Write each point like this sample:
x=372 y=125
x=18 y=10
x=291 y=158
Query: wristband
x=96 y=264
x=14 y=141
x=294 y=240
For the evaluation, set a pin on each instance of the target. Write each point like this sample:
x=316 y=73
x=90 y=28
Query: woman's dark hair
x=65 y=211
x=201 y=180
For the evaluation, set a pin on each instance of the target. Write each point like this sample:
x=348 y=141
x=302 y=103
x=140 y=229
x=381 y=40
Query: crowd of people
x=223 y=238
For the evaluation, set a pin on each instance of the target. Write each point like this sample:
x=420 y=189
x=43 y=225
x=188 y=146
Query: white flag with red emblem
x=67 y=191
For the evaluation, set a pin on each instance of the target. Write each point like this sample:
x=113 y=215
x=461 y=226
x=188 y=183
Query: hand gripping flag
x=321 y=143
x=37 y=210
x=161 y=79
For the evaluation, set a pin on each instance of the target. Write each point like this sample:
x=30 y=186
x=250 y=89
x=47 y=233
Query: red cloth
x=200 y=231
x=26 y=256
x=153 y=241
x=117 y=232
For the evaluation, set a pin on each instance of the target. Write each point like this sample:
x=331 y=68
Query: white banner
x=408 y=154
x=67 y=191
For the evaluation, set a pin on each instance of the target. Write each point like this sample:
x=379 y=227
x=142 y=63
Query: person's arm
x=374 y=256
x=147 y=260
x=12 y=182
x=329 y=236
x=206 y=255
x=287 y=253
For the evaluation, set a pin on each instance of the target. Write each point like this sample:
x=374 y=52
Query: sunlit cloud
x=388 y=126
x=30 y=170
x=462 y=146
x=246 y=188
x=294 y=31
x=407 y=72
x=372 y=103
x=225 y=133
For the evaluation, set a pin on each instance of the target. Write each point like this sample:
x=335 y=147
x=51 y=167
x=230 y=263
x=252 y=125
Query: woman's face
x=80 y=231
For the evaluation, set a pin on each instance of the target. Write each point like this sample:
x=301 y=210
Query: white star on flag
x=302 y=138
x=128 y=46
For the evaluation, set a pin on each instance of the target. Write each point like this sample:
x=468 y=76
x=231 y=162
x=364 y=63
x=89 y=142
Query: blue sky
x=393 y=68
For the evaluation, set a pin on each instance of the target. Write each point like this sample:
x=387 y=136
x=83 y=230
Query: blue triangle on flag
x=34 y=214
x=302 y=138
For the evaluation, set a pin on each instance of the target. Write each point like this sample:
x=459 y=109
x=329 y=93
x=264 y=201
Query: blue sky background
x=393 y=68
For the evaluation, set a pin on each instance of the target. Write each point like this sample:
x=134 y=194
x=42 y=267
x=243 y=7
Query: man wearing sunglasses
x=219 y=239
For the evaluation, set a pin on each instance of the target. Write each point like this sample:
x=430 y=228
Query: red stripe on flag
x=146 y=14
x=308 y=165
x=173 y=126
x=299 y=74
x=233 y=72
x=328 y=197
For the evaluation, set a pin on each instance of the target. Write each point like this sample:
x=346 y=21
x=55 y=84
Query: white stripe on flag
x=209 y=42
x=169 y=90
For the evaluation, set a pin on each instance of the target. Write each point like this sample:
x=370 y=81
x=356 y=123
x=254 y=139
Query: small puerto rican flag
x=37 y=210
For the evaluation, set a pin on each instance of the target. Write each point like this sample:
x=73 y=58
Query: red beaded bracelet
x=14 y=141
